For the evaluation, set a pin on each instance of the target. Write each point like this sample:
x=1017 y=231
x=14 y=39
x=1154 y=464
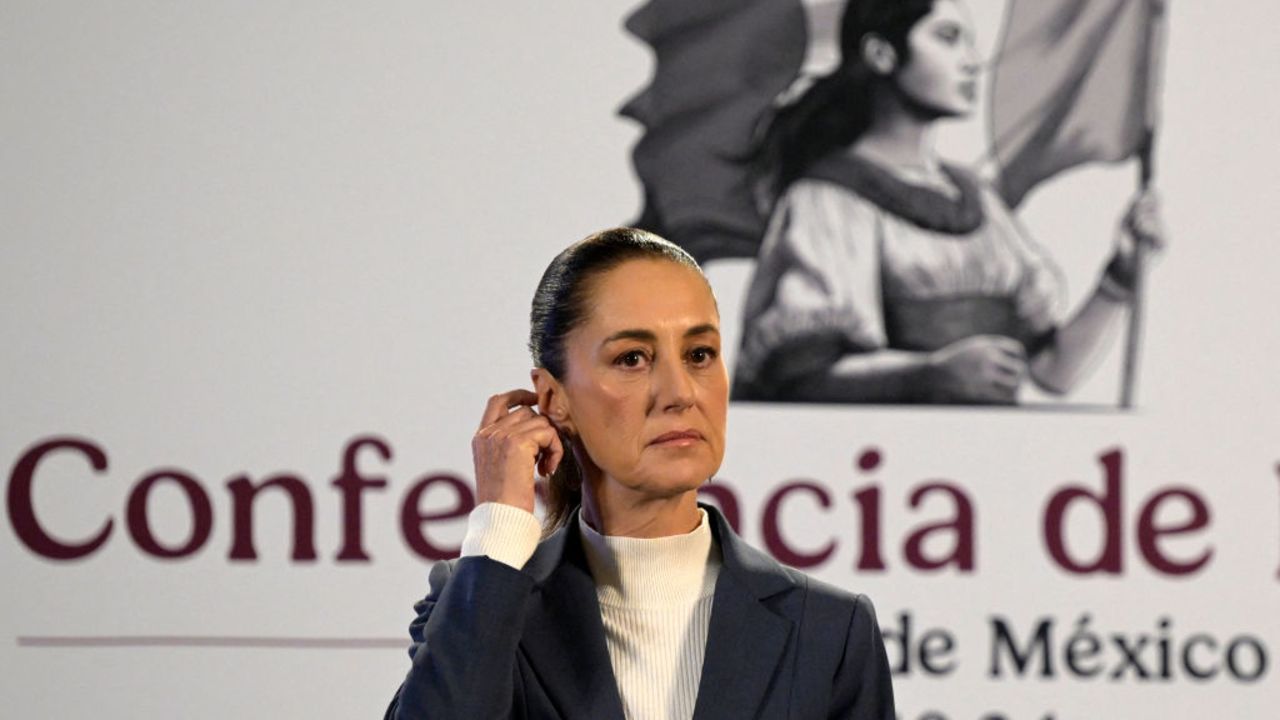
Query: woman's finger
x=545 y=438
x=552 y=454
x=509 y=422
x=1152 y=228
x=1009 y=347
x=1015 y=353
x=1143 y=220
x=1007 y=386
x=1009 y=369
x=501 y=403
x=532 y=424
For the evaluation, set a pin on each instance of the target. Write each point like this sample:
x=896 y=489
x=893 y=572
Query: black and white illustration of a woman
x=888 y=275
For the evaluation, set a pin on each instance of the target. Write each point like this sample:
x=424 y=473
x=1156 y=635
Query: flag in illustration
x=1074 y=81
x=718 y=67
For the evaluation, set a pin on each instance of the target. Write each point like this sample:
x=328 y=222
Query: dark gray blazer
x=494 y=642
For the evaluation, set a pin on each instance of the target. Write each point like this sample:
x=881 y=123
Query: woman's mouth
x=677 y=438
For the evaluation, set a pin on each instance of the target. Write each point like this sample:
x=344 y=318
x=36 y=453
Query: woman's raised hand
x=982 y=368
x=1143 y=221
x=1143 y=226
x=513 y=443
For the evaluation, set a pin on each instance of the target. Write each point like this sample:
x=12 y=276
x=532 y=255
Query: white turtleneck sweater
x=655 y=601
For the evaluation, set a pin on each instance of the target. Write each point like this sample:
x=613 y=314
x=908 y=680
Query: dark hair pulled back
x=836 y=109
x=561 y=303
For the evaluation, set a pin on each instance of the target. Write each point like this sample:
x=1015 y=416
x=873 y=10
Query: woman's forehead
x=653 y=295
x=948 y=11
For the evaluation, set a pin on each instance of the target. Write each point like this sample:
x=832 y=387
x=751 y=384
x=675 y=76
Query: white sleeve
x=816 y=285
x=501 y=532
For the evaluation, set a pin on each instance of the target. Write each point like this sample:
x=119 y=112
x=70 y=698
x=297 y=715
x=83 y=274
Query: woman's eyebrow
x=632 y=334
x=649 y=336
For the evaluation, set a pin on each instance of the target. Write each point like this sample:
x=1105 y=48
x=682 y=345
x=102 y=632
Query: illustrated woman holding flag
x=888 y=275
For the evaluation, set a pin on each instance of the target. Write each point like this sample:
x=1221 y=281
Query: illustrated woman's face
x=942 y=73
x=645 y=387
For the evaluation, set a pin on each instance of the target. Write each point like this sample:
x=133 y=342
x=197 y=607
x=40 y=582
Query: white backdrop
x=235 y=236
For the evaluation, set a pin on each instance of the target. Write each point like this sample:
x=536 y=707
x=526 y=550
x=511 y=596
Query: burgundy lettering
x=1108 y=503
x=353 y=484
x=1149 y=533
x=772 y=531
x=140 y=526
x=961 y=526
x=413 y=521
x=243 y=494
x=22 y=514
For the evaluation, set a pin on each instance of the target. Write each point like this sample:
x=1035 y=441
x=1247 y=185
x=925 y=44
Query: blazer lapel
x=564 y=635
x=745 y=641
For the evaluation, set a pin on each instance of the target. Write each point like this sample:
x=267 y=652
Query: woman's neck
x=611 y=509
x=899 y=136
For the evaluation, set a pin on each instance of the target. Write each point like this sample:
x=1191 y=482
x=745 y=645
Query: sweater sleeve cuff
x=501 y=532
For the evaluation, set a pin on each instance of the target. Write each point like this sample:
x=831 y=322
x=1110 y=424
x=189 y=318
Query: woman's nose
x=673 y=388
x=971 y=61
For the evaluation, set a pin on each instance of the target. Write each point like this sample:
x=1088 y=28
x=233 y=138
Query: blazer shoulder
x=835 y=606
x=768 y=577
x=835 y=594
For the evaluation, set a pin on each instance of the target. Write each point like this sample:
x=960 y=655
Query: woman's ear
x=878 y=54
x=552 y=402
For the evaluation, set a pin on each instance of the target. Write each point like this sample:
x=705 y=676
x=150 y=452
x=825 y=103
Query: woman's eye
x=631 y=359
x=949 y=33
x=702 y=355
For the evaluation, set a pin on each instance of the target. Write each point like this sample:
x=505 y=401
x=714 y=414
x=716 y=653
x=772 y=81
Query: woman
x=887 y=275
x=639 y=603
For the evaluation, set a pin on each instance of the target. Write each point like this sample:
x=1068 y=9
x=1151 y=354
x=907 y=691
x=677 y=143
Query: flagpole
x=1146 y=173
x=1133 y=338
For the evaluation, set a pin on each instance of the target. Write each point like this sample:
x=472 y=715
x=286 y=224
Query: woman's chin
x=678 y=479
